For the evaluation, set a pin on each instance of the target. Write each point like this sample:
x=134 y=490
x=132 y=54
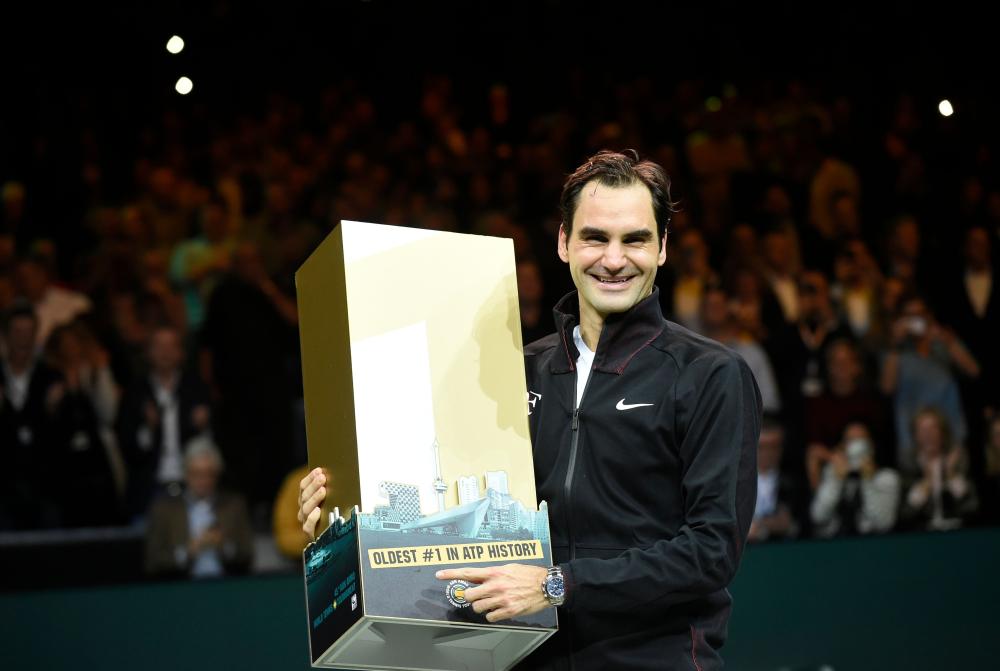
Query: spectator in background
x=943 y=496
x=780 y=272
x=772 y=517
x=719 y=324
x=202 y=532
x=917 y=372
x=86 y=452
x=160 y=413
x=157 y=295
x=249 y=339
x=683 y=289
x=857 y=294
x=29 y=396
x=973 y=310
x=53 y=305
x=903 y=247
x=530 y=293
x=855 y=496
x=757 y=312
x=799 y=355
x=197 y=263
x=848 y=397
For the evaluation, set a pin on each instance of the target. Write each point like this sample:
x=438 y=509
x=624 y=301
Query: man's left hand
x=502 y=592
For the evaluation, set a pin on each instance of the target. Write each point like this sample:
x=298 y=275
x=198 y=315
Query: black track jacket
x=651 y=485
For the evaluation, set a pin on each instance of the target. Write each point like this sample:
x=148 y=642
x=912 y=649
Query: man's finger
x=309 y=526
x=484 y=605
x=470 y=574
x=309 y=488
x=479 y=592
x=499 y=614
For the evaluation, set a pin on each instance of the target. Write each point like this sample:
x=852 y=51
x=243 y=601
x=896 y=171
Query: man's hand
x=503 y=592
x=311 y=495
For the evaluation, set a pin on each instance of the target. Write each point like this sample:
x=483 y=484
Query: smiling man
x=644 y=437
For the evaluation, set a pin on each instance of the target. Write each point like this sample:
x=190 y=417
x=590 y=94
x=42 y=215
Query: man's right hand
x=311 y=494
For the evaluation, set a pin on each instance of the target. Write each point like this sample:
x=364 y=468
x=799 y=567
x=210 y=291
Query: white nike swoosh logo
x=622 y=405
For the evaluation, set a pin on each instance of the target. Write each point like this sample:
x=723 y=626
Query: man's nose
x=614 y=257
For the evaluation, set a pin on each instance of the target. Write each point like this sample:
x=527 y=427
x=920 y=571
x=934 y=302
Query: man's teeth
x=620 y=280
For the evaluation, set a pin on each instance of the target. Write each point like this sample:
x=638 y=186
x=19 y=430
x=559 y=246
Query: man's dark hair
x=619 y=170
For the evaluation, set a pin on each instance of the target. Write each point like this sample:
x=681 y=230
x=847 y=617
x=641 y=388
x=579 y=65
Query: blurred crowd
x=150 y=351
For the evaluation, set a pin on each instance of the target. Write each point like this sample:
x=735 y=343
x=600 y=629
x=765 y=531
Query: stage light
x=713 y=104
x=945 y=108
x=184 y=86
x=175 y=45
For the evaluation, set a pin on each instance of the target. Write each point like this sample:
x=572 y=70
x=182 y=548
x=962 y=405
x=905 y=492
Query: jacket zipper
x=571 y=467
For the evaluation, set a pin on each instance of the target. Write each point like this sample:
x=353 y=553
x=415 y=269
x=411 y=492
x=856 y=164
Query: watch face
x=555 y=587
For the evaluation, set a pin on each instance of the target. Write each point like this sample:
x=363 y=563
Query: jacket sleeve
x=718 y=416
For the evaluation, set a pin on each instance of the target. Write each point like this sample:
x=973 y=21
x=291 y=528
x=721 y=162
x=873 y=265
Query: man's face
x=202 y=475
x=21 y=336
x=165 y=351
x=613 y=250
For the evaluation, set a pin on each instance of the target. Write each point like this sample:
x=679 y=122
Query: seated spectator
x=847 y=398
x=855 y=496
x=159 y=414
x=943 y=496
x=719 y=324
x=30 y=392
x=772 y=517
x=203 y=532
x=918 y=372
x=54 y=305
x=197 y=263
x=686 y=279
x=83 y=445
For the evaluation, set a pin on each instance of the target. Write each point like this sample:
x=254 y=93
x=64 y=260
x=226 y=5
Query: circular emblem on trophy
x=455 y=593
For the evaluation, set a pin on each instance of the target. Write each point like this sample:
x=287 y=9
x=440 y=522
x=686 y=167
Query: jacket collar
x=623 y=336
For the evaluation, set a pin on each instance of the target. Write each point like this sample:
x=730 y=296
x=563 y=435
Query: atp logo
x=533 y=398
x=455 y=593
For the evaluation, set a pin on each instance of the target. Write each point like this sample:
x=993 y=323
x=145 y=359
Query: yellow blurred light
x=945 y=108
x=184 y=86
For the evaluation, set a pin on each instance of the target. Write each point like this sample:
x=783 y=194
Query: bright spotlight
x=945 y=108
x=184 y=86
x=175 y=45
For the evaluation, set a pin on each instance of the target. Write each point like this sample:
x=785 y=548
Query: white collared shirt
x=584 y=362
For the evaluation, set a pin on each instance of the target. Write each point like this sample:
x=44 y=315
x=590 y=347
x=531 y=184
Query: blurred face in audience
x=202 y=476
x=769 y=449
x=692 y=253
x=715 y=310
x=906 y=239
x=814 y=296
x=165 y=351
x=20 y=334
x=529 y=281
x=843 y=368
x=31 y=280
x=977 y=249
x=778 y=252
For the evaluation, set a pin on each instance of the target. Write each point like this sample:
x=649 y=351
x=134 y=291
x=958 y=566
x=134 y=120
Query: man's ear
x=563 y=244
x=662 y=257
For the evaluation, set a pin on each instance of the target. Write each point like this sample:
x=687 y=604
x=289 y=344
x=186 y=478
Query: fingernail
x=438 y=574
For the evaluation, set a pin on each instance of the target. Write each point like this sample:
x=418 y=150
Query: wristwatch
x=554 y=587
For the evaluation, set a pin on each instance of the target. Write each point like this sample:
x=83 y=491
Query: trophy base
x=380 y=643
